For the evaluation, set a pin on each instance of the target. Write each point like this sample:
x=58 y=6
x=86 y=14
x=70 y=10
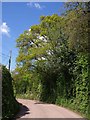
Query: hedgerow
x=9 y=104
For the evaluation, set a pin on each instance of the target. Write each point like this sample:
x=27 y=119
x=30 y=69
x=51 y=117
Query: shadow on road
x=23 y=111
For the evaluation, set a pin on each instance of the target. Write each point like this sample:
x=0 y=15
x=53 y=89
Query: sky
x=18 y=17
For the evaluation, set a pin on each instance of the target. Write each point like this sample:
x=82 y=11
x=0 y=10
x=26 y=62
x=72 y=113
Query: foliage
x=81 y=82
x=9 y=104
x=52 y=65
x=76 y=26
x=78 y=100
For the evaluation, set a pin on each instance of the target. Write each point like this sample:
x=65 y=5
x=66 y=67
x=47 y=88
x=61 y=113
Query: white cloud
x=35 y=5
x=4 y=29
x=30 y=4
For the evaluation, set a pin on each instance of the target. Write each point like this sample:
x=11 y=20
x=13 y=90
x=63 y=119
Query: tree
x=53 y=58
x=77 y=26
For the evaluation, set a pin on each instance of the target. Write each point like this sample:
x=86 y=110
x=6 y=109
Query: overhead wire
x=4 y=58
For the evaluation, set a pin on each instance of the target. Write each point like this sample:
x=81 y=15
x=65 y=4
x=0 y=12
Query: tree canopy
x=52 y=64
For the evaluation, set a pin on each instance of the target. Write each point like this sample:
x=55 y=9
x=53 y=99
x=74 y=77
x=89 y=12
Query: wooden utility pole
x=10 y=60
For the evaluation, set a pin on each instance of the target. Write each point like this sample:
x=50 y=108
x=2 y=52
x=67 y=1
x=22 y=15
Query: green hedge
x=9 y=104
x=78 y=100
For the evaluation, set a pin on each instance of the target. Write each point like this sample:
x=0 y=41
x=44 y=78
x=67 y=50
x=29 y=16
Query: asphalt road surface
x=36 y=109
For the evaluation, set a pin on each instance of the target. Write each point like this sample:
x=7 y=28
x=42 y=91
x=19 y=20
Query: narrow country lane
x=35 y=109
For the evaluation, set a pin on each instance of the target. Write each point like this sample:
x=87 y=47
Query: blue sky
x=19 y=16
